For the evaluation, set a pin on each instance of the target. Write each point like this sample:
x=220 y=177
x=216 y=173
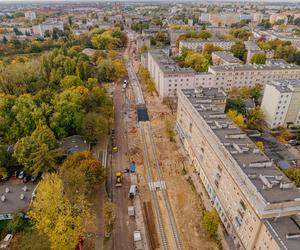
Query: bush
x=210 y=223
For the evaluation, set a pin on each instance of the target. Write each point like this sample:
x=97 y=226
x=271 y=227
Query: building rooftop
x=267 y=180
x=286 y=85
x=228 y=57
x=167 y=64
x=250 y=45
x=212 y=40
x=285 y=231
x=253 y=67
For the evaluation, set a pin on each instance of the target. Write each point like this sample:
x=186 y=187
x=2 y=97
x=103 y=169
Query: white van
x=132 y=191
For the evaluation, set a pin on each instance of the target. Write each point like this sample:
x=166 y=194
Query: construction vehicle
x=118 y=179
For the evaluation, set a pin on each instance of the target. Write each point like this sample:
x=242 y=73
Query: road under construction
x=165 y=220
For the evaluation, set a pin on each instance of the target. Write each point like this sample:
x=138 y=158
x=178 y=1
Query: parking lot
x=13 y=203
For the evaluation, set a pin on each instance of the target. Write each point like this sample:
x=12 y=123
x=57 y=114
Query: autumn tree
x=259 y=58
x=260 y=145
x=254 y=117
x=210 y=223
x=237 y=118
x=196 y=61
x=55 y=216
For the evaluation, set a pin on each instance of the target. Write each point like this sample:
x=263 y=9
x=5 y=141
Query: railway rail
x=146 y=131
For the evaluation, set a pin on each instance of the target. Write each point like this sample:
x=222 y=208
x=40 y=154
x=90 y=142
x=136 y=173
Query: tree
x=297 y=21
x=237 y=118
x=38 y=152
x=239 y=51
x=210 y=223
x=106 y=71
x=259 y=58
x=55 y=216
x=241 y=33
x=70 y=81
x=236 y=104
x=209 y=48
x=196 y=61
x=260 y=146
x=95 y=126
x=80 y=173
x=169 y=130
x=293 y=174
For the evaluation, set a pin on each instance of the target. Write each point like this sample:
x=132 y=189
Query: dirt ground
x=185 y=202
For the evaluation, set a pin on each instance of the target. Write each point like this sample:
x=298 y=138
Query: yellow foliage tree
x=237 y=118
x=260 y=146
x=55 y=216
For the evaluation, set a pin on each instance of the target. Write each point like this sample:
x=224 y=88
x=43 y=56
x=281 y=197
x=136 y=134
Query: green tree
x=293 y=174
x=196 y=61
x=70 y=81
x=106 y=71
x=239 y=51
x=95 y=126
x=237 y=105
x=259 y=58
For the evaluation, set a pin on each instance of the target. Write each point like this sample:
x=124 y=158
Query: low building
x=198 y=45
x=169 y=76
x=281 y=103
x=255 y=201
x=30 y=15
x=224 y=58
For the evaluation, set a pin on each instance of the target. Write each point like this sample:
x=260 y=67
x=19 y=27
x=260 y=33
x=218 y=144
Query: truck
x=118 y=179
x=132 y=191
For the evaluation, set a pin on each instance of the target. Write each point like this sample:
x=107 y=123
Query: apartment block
x=198 y=45
x=281 y=103
x=256 y=202
x=169 y=77
x=248 y=75
x=252 y=49
x=224 y=58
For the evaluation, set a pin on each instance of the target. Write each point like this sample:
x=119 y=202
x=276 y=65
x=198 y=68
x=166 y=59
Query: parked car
x=5 y=242
x=26 y=178
x=21 y=175
x=34 y=178
x=15 y=175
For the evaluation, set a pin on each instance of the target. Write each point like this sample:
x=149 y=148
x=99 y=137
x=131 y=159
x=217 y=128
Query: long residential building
x=256 y=202
x=248 y=75
x=281 y=103
x=169 y=76
x=199 y=45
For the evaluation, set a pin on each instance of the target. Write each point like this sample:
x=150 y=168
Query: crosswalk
x=157 y=185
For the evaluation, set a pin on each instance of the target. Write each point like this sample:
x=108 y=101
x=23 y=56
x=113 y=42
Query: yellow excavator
x=118 y=179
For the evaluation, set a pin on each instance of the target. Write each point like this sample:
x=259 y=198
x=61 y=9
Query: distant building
x=223 y=18
x=40 y=29
x=281 y=103
x=257 y=204
x=199 y=45
x=30 y=15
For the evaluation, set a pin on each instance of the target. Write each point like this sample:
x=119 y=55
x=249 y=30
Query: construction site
x=165 y=188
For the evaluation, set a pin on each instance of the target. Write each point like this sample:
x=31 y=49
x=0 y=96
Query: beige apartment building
x=281 y=103
x=199 y=45
x=224 y=58
x=255 y=201
x=248 y=75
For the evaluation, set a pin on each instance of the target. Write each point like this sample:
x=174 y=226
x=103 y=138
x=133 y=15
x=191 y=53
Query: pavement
x=13 y=203
x=122 y=236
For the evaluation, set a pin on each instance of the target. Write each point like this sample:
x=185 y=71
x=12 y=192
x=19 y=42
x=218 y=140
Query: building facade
x=248 y=75
x=245 y=187
x=281 y=103
x=199 y=45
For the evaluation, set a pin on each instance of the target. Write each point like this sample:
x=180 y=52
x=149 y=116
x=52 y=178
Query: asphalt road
x=124 y=226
